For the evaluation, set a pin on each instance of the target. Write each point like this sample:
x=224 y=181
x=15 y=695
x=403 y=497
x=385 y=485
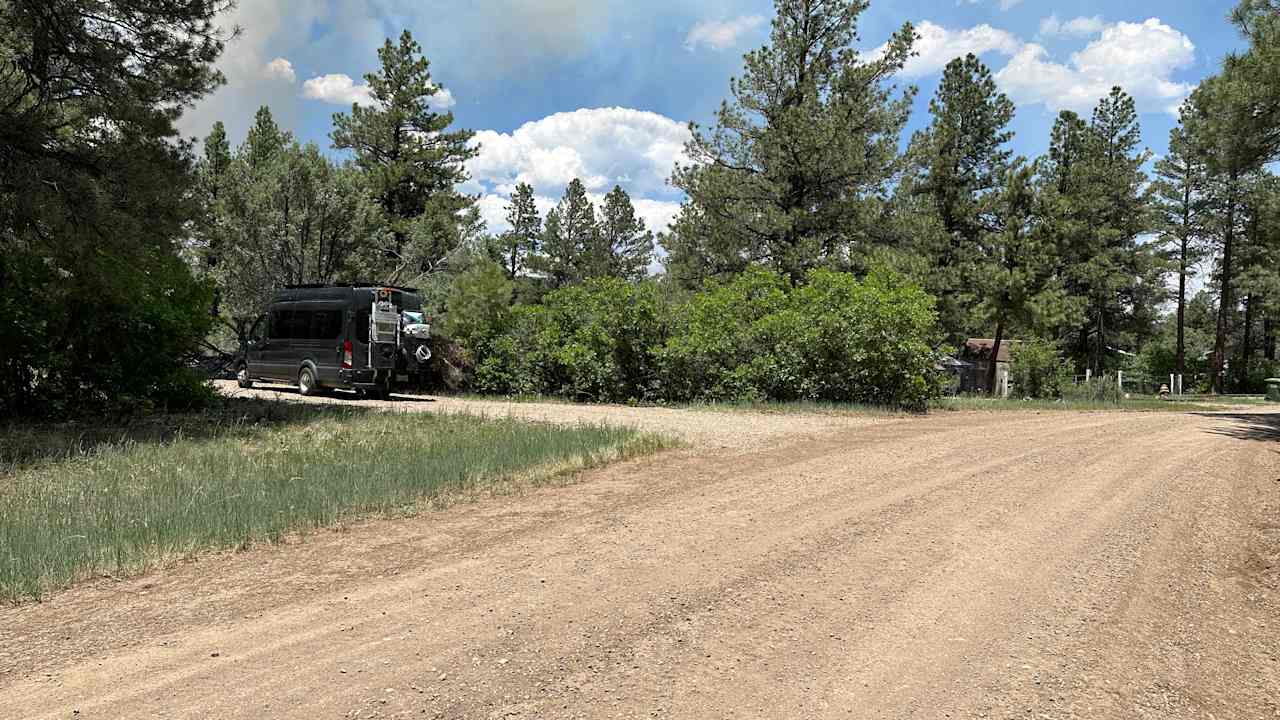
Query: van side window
x=325 y=325
x=259 y=331
x=281 y=324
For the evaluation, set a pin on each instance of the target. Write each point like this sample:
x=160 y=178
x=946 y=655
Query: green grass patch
x=123 y=506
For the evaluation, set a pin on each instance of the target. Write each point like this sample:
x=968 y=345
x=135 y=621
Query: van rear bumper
x=365 y=376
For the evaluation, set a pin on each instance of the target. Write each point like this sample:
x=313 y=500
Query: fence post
x=1088 y=375
x=1120 y=381
x=1171 y=385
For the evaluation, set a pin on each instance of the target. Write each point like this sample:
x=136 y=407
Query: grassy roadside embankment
x=122 y=506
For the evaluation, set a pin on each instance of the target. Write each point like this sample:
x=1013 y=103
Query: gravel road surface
x=961 y=565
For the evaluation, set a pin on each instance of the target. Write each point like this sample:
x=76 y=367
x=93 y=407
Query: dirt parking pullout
x=1004 y=565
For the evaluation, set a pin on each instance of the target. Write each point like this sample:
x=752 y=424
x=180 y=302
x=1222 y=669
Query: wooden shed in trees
x=977 y=352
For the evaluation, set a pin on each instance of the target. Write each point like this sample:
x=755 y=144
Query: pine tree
x=265 y=140
x=960 y=162
x=524 y=238
x=1014 y=267
x=624 y=247
x=1097 y=211
x=1224 y=130
x=1181 y=200
x=1258 y=277
x=568 y=237
x=411 y=160
x=801 y=154
x=96 y=189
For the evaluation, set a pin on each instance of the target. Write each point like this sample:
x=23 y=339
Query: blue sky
x=602 y=89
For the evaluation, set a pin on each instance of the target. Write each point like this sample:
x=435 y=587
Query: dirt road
x=1020 y=565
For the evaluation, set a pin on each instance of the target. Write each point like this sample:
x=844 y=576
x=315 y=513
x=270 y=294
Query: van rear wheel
x=307 y=385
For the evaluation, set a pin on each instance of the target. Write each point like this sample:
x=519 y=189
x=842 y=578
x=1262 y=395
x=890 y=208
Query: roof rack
x=320 y=286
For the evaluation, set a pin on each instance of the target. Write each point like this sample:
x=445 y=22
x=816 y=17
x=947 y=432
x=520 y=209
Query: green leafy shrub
x=718 y=334
x=834 y=338
x=603 y=333
x=1038 y=371
x=72 y=346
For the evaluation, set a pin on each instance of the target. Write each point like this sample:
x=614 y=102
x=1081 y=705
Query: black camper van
x=364 y=337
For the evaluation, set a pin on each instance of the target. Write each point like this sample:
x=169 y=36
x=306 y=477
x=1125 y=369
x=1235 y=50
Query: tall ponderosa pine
x=1181 y=200
x=625 y=247
x=1096 y=210
x=1014 y=267
x=1258 y=277
x=524 y=239
x=960 y=163
x=411 y=160
x=797 y=160
x=1253 y=78
x=1224 y=130
x=568 y=237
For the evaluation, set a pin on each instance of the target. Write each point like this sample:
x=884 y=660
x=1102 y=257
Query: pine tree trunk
x=1182 y=310
x=1268 y=339
x=994 y=365
x=1225 y=306
x=1246 y=350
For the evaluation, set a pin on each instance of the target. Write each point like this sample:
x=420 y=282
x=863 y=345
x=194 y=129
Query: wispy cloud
x=340 y=89
x=721 y=35
x=1076 y=27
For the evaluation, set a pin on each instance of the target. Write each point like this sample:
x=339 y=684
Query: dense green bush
x=1037 y=370
x=598 y=344
x=72 y=345
x=753 y=338
x=716 y=337
x=833 y=338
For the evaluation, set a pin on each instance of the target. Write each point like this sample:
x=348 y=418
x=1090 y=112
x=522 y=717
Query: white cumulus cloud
x=1009 y=4
x=938 y=46
x=602 y=147
x=279 y=69
x=338 y=89
x=1076 y=27
x=722 y=34
x=1139 y=57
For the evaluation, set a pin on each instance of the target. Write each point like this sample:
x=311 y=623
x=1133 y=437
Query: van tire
x=242 y=377
x=307 y=385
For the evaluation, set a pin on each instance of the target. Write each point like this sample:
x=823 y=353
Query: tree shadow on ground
x=1246 y=426
x=23 y=444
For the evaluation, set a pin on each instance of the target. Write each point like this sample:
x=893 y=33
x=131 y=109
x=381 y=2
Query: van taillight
x=346 y=355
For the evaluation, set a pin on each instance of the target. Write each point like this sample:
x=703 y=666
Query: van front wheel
x=307 y=382
x=242 y=377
